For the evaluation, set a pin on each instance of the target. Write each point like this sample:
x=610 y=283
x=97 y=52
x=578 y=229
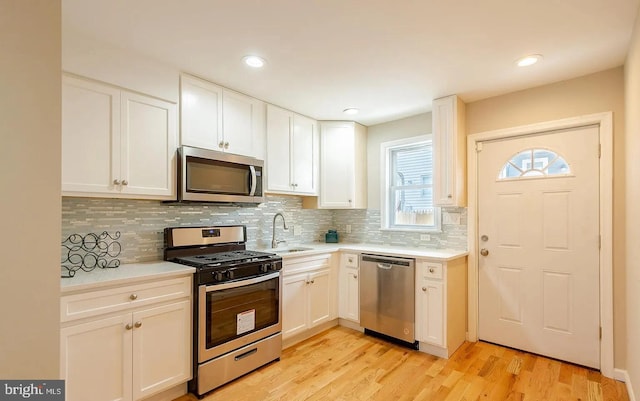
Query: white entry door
x=538 y=227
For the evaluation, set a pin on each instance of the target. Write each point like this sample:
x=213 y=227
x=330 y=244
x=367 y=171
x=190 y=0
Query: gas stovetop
x=225 y=259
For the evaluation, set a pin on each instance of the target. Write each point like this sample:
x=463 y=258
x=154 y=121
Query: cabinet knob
x=138 y=325
x=133 y=297
x=449 y=196
x=116 y=182
x=313 y=281
x=431 y=270
x=349 y=200
x=226 y=145
x=221 y=144
x=125 y=182
x=424 y=289
x=355 y=276
x=128 y=326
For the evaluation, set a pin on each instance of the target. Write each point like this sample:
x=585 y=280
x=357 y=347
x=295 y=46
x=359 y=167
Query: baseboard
x=350 y=325
x=623 y=376
x=170 y=394
x=288 y=342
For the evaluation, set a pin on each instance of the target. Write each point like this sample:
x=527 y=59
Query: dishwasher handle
x=387 y=261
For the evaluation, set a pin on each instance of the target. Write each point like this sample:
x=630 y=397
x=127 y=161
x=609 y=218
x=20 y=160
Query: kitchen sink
x=290 y=249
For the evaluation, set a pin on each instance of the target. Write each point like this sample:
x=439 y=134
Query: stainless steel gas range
x=237 y=302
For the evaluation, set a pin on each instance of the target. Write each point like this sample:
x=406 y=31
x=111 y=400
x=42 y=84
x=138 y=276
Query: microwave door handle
x=252 y=181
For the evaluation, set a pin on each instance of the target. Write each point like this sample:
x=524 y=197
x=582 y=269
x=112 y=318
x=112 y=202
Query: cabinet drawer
x=305 y=263
x=99 y=302
x=350 y=260
x=430 y=269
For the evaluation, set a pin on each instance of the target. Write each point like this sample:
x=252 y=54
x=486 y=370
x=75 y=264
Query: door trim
x=605 y=122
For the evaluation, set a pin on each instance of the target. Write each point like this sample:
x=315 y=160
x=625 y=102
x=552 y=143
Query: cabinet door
x=161 y=348
x=449 y=155
x=279 y=125
x=90 y=136
x=200 y=113
x=337 y=149
x=295 y=304
x=431 y=319
x=95 y=359
x=353 y=296
x=243 y=119
x=148 y=146
x=320 y=301
x=304 y=150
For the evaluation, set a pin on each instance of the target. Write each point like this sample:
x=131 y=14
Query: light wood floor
x=344 y=365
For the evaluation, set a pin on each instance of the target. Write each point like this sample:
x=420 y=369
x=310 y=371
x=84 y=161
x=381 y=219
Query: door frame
x=605 y=122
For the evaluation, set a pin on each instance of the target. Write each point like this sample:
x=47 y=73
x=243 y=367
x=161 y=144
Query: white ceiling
x=389 y=58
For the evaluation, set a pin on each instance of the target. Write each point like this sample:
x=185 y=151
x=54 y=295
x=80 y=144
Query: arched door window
x=534 y=163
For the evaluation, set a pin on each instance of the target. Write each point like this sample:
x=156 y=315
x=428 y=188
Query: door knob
x=484 y=252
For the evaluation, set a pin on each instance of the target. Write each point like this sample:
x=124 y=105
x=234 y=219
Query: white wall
x=30 y=180
x=632 y=128
x=101 y=61
x=377 y=134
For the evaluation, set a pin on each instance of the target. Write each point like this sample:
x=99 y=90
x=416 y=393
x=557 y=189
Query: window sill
x=413 y=230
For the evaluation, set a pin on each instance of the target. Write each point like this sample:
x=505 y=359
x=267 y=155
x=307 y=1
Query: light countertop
x=125 y=274
x=442 y=255
x=133 y=272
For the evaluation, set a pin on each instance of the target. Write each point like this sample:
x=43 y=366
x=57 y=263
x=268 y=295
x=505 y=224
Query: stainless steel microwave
x=210 y=176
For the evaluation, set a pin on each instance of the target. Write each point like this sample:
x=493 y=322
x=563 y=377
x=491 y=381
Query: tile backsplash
x=141 y=224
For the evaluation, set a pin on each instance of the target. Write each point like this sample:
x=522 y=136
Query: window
x=407 y=185
x=534 y=163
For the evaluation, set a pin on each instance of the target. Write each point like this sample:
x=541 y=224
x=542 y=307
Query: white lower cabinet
x=349 y=288
x=130 y=354
x=309 y=294
x=441 y=297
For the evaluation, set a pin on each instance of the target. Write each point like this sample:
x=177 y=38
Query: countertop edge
x=319 y=248
x=125 y=274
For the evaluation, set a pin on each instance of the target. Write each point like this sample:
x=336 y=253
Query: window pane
x=413 y=207
x=534 y=163
x=411 y=164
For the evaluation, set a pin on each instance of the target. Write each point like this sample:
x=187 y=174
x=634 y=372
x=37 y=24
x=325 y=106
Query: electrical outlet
x=425 y=237
x=348 y=228
x=297 y=230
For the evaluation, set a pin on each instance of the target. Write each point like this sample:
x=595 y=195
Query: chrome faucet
x=274 y=243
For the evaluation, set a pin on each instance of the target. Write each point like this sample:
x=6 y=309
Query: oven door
x=231 y=315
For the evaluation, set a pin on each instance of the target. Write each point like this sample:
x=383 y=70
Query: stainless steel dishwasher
x=387 y=297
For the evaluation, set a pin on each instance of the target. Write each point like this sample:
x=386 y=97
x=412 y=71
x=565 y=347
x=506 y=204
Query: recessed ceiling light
x=528 y=60
x=254 y=61
x=351 y=111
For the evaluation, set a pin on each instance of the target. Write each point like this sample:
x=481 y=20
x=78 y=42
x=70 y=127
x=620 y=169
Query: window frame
x=385 y=185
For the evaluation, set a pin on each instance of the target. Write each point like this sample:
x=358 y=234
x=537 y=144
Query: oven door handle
x=241 y=283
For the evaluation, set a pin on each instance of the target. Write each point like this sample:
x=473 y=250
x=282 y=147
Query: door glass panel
x=534 y=163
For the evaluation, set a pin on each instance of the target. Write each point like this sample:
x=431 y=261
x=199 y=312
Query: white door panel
x=539 y=283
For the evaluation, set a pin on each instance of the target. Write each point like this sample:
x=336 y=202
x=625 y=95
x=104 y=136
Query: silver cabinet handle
x=133 y=297
x=424 y=289
x=484 y=252
x=125 y=182
x=138 y=325
x=226 y=145
x=116 y=182
x=221 y=144
x=431 y=270
x=128 y=326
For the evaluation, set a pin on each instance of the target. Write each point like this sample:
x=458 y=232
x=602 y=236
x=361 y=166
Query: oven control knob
x=230 y=274
x=265 y=267
x=218 y=276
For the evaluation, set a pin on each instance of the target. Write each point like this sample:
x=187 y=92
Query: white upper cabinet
x=292 y=152
x=116 y=143
x=200 y=113
x=449 y=152
x=343 y=165
x=216 y=118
